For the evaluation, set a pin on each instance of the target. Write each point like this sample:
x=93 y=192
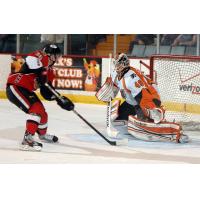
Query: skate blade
x=184 y=139
x=29 y=148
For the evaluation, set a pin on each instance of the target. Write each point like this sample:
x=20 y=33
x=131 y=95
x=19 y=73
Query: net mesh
x=178 y=80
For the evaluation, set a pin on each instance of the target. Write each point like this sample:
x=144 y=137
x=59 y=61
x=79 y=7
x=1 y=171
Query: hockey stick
x=110 y=132
x=114 y=143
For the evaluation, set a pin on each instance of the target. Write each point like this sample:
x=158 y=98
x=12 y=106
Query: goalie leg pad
x=117 y=127
x=144 y=135
x=154 y=132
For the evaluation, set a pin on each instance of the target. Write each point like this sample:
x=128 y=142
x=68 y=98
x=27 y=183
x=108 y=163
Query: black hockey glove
x=65 y=103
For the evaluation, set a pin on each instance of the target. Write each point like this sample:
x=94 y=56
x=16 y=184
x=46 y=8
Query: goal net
x=178 y=80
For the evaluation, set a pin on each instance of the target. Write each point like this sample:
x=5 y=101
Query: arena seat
x=190 y=51
x=149 y=50
x=178 y=50
x=9 y=47
x=138 y=50
x=9 y=44
x=34 y=37
x=1 y=45
x=30 y=47
x=165 y=49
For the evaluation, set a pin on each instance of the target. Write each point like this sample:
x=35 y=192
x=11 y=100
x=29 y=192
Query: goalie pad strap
x=107 y=91
x=120 y=123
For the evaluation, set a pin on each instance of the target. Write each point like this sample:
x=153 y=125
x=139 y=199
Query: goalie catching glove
x=65 y=103
x=150 y=103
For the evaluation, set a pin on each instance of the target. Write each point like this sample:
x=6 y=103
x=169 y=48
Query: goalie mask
x=121 y=64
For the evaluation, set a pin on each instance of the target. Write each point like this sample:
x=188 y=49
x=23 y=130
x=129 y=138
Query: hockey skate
x=184 y=139
x=48 y=138
x=29 y=144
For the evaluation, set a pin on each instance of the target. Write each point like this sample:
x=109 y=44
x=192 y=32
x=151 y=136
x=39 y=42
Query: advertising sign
x=75 y=73
x=71 y=73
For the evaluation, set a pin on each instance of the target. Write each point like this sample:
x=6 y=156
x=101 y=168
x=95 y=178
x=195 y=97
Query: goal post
x=178 y=80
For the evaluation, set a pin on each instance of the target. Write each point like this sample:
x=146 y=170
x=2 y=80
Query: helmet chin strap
x=53 y=61
x=50 y=60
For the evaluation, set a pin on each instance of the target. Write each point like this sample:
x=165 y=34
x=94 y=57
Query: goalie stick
x=114 y=143
x=110 y=132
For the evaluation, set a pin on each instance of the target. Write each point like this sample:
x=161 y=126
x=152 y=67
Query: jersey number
x=139 y=84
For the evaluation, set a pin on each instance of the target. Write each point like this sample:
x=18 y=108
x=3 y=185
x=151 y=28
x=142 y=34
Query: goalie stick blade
x=122 y=142
x=118 y=142
x=111 y=133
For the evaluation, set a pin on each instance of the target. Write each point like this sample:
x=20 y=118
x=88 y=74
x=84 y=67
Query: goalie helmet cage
x=178 y=82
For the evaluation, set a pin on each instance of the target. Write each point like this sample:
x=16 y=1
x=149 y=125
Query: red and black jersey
x=34 y=71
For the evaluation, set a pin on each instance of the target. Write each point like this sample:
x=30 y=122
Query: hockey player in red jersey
x=142 y=109
x=36 y=73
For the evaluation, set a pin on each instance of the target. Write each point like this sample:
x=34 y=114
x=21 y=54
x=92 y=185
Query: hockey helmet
x=52 y=49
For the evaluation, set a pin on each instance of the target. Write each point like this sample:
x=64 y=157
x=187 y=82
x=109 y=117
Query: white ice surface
x=80 y=144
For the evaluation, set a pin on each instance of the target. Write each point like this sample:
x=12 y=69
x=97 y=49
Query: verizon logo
x=194 y=89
